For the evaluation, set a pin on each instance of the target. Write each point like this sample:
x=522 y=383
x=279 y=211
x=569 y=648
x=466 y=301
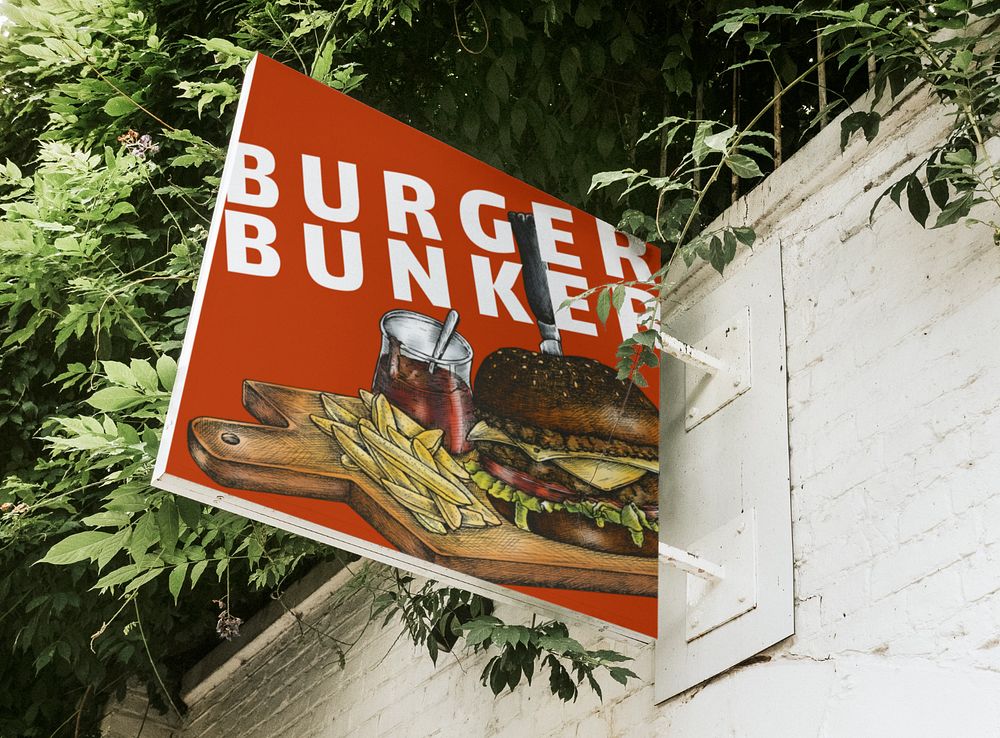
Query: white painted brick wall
x=894 y=389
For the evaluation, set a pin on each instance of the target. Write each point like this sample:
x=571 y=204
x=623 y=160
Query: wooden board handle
x=264 y=459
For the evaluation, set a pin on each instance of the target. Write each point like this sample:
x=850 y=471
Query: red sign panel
x=377 y=358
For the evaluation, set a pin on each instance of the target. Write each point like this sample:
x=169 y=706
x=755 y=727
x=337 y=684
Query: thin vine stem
x=152 y=663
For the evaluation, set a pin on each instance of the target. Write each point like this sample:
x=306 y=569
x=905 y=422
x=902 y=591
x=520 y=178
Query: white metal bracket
x=707 y=393
x=712 y=603
x=691 y=563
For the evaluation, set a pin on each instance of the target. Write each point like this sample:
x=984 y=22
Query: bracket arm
x=691 y=564
x=690 y=355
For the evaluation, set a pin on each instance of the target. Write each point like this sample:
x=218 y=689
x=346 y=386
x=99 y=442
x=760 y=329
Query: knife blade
x=536 y=282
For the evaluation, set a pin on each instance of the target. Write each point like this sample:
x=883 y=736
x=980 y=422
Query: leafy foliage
x=521 y=647
x=950 y=47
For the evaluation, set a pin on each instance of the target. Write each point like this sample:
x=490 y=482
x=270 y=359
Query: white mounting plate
x=711 y=603
x=732 y=464
x=704 y=393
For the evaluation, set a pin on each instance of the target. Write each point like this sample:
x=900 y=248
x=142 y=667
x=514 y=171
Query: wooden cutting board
x=289 y=455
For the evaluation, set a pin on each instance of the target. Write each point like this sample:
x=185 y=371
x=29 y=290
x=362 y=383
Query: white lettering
x=614 y=253
x=350 y=249
x=489 y=289
x=398 y=206
x=312 y=184
x=267 y=189
x=469 y=211
x=559 y=284
x=433 y=281
x=239 y=243
x=549 y=235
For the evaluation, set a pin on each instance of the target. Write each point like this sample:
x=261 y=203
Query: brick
x=923 y=556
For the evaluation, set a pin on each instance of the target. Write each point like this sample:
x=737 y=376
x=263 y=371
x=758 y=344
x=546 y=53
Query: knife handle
x=536 y=282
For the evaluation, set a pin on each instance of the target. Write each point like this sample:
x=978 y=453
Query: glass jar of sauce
x=439 y=399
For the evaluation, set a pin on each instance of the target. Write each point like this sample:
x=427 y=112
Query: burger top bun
x=572 y=395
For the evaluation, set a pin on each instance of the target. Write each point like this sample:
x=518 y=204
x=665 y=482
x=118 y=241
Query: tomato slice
x=529 y=485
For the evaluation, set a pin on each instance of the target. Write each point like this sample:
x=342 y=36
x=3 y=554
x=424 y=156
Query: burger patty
x=644 y=492
x=559 y=442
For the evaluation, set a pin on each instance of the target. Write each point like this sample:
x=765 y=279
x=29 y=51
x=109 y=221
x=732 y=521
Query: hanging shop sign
x=377 y=358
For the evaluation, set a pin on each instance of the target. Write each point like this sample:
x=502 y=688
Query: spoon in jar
x=447 y=331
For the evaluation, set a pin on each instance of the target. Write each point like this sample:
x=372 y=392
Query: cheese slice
x=605 y=475
x=601 y=471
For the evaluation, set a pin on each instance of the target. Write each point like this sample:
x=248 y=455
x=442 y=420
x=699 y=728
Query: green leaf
x=498 y=679
x=621 y=675
x=961 y=157
x=745 y=235
x=937 y=183
x=107 y=520
x=560 y=644
x=496 y=81
x=518 y=120
x=144 y=535
x=118 y=106
x=144 y=374
x=743 y=166
x=166 y=370
x=955 y=210
x=603 y=179
x=189 y=511
x=716 y=255
x=698 y=148
x=117 y=210
x=197 y=570
x=323 y=62
x=114 y=398
x=861 y=120
x=118 y=576
x=119 y=373
x=622 y=47
x=728 y=246
x=618 y=296
x=168 y=524
x=673 y=121
x=142 y=579
x=176 y=580
x=569 y=65
x=77 y=547
x=962 y=60
x=916 y=199
x=718 y=141
x=858 y=12
x=603 y=305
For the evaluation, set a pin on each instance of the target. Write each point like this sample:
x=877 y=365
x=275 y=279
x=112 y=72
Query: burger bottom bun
x=575 y=529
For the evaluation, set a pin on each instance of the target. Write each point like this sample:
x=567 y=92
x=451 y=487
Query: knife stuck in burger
x=566 y=450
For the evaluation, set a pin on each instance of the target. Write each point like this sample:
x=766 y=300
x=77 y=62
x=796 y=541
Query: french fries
x=431 y=439
x=407 y=460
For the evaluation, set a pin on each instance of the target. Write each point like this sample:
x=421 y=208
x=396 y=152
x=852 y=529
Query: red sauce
x=435 y=400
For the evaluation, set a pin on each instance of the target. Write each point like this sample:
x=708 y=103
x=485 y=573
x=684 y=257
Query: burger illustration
x=567 y=450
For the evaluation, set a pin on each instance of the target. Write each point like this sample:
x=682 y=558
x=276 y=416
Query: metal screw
x=231 y=438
